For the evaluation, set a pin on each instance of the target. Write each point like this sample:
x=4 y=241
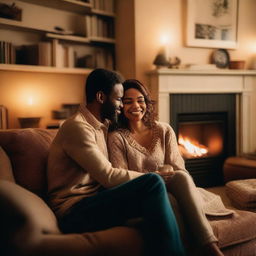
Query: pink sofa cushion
x=28 y=151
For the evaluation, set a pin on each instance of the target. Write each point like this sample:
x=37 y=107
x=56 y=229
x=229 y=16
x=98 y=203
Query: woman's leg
x=144 y=197
x=184 y=190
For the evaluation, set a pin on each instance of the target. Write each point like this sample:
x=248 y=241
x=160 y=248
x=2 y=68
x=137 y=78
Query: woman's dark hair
x=101 y=80
x=150 y=115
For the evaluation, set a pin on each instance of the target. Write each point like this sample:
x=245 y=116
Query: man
x=87 y=193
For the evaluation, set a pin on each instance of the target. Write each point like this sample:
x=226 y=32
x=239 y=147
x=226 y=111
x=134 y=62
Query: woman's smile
x=134 y=104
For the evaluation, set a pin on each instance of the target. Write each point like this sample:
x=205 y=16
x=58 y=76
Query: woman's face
x=134 y=105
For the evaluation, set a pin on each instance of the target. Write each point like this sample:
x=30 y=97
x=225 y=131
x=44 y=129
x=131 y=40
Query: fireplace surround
x=168 y=86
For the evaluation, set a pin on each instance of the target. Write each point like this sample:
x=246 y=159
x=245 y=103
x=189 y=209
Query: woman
x=142 y=144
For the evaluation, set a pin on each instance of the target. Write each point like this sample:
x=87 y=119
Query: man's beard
x=109 y=112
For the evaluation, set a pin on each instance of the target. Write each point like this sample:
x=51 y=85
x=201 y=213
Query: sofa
x=29 y=227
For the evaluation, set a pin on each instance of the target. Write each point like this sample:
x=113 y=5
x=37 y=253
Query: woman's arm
x=117 y=150
x=172 y=153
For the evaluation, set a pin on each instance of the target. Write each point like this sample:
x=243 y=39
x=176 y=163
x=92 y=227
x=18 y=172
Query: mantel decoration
x=162 y=61
x=212 y=23
x=220 y=58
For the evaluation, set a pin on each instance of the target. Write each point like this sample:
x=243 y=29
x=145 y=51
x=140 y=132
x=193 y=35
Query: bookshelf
x=59 y=35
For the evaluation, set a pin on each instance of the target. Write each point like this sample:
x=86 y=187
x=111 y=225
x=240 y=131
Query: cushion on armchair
x=242 y=193
x=28 y=150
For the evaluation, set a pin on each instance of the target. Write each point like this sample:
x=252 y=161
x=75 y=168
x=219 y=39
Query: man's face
x=111 y=108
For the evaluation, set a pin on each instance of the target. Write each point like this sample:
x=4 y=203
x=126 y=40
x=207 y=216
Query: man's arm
x=80 y=144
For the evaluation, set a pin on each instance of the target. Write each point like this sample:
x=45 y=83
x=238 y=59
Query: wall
x=125 y=37
x=47 y=92
x=155 y=19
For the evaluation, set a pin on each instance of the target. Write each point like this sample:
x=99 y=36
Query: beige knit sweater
x=125 y=152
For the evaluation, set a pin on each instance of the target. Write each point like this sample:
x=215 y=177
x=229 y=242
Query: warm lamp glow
x=165 y=39
x=30 y=101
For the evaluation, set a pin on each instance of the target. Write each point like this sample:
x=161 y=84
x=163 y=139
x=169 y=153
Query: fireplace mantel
x=163 y=82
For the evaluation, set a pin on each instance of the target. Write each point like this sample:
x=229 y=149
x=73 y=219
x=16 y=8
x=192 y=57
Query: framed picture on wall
x=212 y=23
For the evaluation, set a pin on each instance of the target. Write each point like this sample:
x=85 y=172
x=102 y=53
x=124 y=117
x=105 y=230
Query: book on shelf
x=93 y=23
x=100 y=58
x=104 y=59
x=87 y=61
x=88 y=25
x=27 y=55
x=104 y=5
x=35 y=54
x=99 y=27
x=3 y=117
x=109 y=61
x=45 y=54
x=7 y=53
x=70 y=56
x=63 y=55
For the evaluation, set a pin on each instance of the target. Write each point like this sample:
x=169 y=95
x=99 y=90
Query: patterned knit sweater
x=125 y=152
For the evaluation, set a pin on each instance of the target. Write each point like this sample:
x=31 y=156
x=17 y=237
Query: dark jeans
x=144 y=197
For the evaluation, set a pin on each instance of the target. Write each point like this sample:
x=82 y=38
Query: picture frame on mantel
x=212 y=23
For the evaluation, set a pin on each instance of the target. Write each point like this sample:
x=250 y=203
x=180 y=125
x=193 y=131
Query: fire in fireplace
x=199 y=139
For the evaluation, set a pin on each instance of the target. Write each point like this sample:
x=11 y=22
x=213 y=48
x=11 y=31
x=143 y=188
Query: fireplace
x=205 y=128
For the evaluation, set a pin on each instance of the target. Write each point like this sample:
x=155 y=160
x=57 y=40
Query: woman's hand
x=165 y=168
x=166 y=172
